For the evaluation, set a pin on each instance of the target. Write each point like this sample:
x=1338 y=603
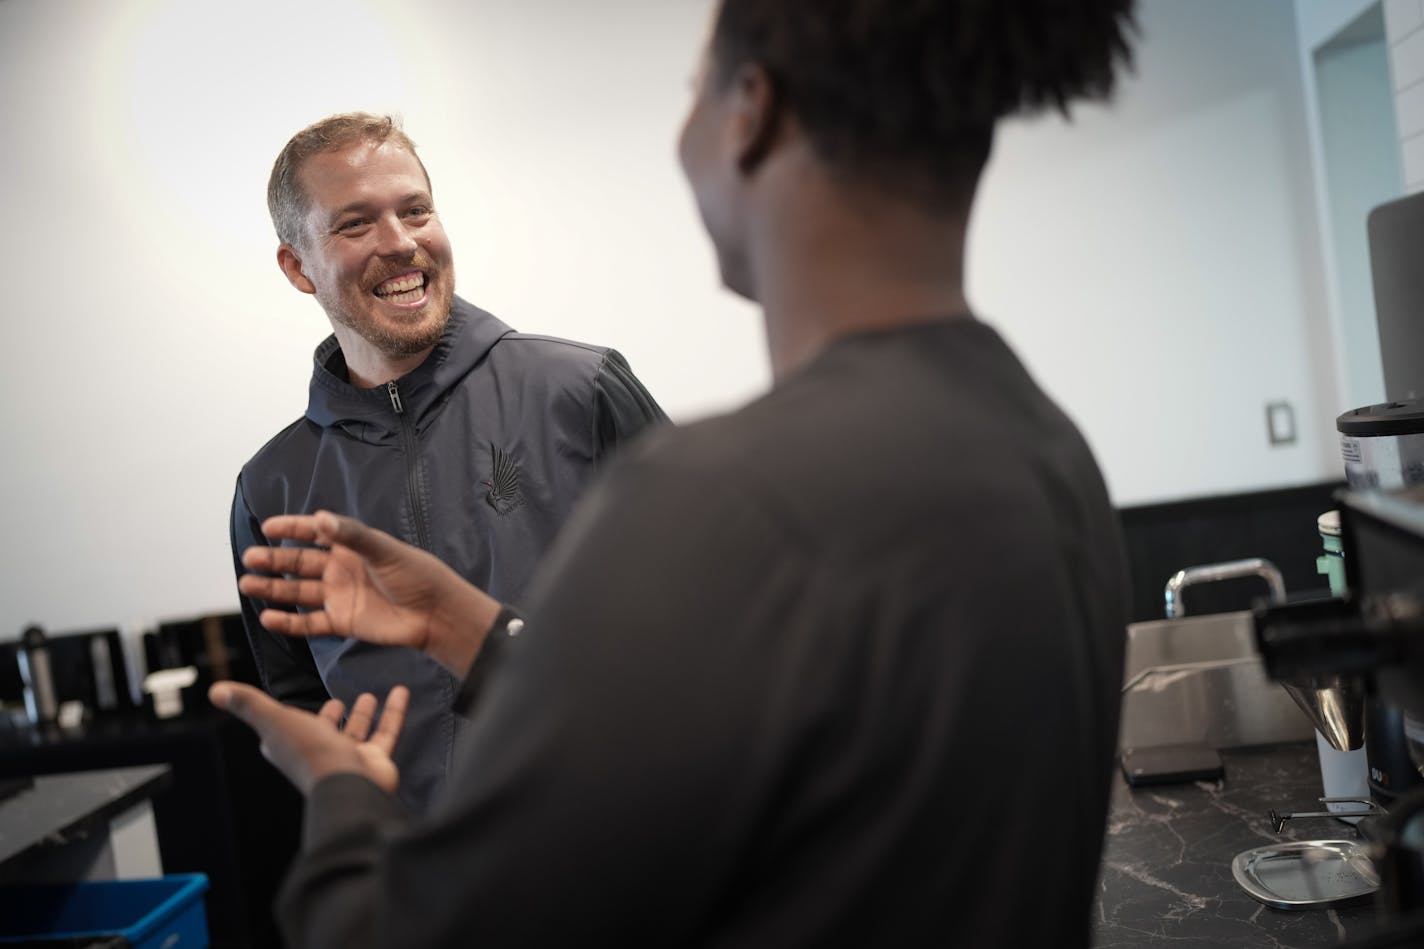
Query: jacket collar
x=332 y=400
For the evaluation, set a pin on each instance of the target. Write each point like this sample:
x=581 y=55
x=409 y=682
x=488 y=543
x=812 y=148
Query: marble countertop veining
x=1166 y=874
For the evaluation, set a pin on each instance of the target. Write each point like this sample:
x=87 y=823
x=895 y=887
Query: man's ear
x=757 y=108
x=291 y=265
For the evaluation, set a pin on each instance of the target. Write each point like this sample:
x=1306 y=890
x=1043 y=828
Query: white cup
x=1344 y=774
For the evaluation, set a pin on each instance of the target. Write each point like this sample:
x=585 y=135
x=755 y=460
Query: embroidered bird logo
x=503 y=483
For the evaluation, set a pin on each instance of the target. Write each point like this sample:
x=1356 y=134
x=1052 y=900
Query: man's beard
x=396 y=340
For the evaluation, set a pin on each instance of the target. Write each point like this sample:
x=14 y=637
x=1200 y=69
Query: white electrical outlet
x=1280 y=423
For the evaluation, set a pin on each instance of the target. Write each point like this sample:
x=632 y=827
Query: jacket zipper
x=417 y=509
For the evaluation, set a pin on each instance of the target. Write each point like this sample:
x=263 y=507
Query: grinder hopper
x=1335 y=705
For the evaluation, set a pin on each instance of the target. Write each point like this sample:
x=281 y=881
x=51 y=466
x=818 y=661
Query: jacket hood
x=470 y=334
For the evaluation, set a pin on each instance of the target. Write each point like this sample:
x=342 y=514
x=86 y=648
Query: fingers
x=299 y=527
x=358 y=723
x=303 y=563
x=376 y=546
x=392 y=718
x=293 y=561
x=328 y=529
x=332 y=711
x=297 y=624
x=323 y=527
x=282 y=590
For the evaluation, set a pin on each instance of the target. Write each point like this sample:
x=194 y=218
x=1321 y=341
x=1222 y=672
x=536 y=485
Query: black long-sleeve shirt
x=838 y=669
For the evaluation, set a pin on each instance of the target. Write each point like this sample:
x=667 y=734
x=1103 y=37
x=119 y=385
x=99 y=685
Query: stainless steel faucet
x=1209 y=573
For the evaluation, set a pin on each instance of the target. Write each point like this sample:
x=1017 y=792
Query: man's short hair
x=903 y=95
x=286 y=200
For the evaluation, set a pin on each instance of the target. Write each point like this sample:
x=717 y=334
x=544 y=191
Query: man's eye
x=350 y=225
x=419 y=211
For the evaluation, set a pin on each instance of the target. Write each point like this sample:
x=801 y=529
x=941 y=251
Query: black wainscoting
x=1278 y=525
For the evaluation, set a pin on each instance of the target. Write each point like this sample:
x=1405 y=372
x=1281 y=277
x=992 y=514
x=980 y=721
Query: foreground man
x=427 y=417
x=792 y=676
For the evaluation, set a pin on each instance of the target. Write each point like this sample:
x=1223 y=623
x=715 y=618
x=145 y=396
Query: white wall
x=154 y=345
x=1332 y=54
x=1361 y=169
x=1157 y=264
x=1404 y=27
x=1318 y=20
x=1154 y=263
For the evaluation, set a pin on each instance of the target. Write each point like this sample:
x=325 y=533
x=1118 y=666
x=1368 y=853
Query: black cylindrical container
x=41 y=702
x=1392 y=770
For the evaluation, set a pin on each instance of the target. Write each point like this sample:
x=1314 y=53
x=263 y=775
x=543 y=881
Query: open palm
x=368 y=586
x=308 y=747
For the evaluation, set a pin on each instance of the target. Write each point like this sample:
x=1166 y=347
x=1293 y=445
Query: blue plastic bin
x=162 y=913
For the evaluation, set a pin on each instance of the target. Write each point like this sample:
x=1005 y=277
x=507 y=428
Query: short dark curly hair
x=904 y=94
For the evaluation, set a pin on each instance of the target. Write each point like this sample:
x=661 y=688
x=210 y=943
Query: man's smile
x=407 y=288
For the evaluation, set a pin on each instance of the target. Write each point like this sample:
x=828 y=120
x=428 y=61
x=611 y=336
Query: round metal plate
x=1303 y=873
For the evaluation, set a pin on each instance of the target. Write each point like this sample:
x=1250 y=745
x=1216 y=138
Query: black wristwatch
x=506 y=626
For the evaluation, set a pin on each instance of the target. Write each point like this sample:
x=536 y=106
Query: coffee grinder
x=1369 y=641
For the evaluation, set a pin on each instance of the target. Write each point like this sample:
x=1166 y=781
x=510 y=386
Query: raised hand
x=369 y=586
x=307 y=747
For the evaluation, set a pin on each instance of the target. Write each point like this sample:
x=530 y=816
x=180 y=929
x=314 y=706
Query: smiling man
x=373 y=253
x=427 y=416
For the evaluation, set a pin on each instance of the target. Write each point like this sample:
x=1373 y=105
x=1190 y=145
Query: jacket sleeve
x=285 y=665
x=622 y=406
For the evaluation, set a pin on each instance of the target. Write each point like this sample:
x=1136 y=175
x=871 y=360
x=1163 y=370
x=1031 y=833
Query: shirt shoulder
x=546 y=367
x=551 y=353
x=895 y=436
x=296 y=441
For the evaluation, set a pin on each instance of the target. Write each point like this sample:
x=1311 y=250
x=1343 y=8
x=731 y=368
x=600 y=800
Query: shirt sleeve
x=285 y=665
x=622 y=406
x=347 y=819
x=606 y=764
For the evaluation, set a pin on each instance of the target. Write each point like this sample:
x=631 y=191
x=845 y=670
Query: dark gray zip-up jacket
x=477 y=456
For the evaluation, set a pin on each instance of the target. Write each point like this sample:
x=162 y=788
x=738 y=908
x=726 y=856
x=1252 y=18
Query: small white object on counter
x=166 y=686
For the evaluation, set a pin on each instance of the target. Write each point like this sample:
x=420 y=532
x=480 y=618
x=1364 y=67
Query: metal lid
x=1386 y=418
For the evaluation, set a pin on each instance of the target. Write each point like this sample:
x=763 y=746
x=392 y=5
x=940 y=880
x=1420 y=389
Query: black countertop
x=1166 y=875
x=59 y=808
x=226 y=812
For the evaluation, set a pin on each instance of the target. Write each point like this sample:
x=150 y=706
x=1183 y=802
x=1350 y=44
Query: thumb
x=249 y=704
x=374 y=545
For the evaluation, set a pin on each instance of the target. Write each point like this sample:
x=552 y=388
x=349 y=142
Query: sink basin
x=1199 y=679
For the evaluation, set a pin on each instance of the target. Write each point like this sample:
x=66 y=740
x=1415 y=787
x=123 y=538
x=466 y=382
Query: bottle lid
x=1329 y=523
x=1386 y=418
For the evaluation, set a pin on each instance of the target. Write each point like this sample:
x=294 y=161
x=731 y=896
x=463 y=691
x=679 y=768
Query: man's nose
x=394 y=239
